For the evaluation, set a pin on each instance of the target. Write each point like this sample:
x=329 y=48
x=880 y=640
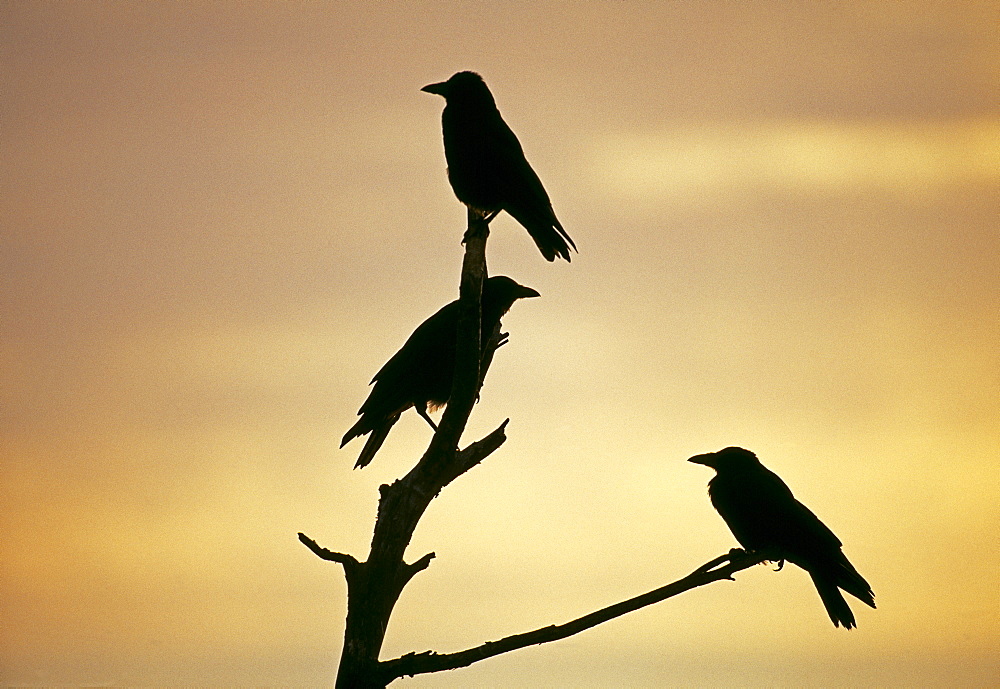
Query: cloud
x=685 y=163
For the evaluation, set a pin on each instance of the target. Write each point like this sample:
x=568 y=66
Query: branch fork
x=375 y=584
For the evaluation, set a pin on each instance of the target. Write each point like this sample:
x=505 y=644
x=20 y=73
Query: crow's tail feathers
x=549 y=235
x=378 y=435
x=851 y=581
x=552 y=243
x=833 y=600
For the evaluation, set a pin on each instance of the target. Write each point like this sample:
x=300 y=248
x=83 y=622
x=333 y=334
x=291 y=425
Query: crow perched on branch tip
x=420 y=374
x=764 y=516
x=486 y=165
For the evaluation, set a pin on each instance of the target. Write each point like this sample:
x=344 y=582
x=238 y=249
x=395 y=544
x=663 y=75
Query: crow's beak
x=706 y=459
x=527 y=293
x=438 y=88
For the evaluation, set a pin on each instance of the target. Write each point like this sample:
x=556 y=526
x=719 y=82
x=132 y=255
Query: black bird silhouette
x=420 y=374
x=764 y=516
x=486 y=166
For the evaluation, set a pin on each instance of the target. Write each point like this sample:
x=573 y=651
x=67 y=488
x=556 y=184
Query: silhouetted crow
x=420 y=374
x=486 y=166
x=763 y=515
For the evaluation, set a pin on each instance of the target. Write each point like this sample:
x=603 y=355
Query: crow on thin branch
x=764 y=516
x=486 y=165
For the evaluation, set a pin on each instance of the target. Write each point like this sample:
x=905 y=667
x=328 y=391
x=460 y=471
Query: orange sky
x=221 y=219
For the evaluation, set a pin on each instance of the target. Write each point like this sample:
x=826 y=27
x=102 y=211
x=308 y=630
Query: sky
x=220 y=219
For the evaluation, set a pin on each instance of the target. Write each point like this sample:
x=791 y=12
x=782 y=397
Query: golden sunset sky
x=220 y=219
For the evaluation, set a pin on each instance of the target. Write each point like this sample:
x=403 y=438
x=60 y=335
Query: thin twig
x=323 y=553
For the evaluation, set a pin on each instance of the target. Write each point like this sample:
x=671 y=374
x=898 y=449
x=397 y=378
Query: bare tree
x=373 y=586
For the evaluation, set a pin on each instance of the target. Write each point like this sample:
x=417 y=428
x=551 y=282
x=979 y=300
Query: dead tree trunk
x=373 y=586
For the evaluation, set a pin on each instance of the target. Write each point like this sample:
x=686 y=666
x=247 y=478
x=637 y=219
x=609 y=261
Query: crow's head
x=731 y=458
x=462 y=87
x=502 y=288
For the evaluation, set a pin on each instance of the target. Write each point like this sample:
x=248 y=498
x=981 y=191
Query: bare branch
x=407 y=572
x=479 y=450
x=429 y=661
x=343 y=558
x=422 y=563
